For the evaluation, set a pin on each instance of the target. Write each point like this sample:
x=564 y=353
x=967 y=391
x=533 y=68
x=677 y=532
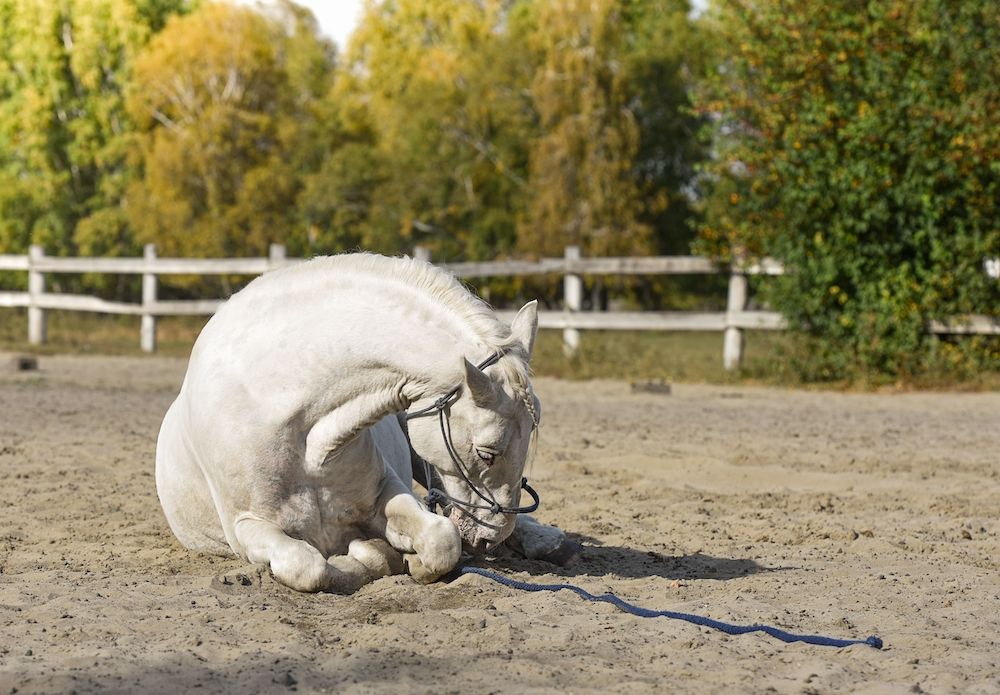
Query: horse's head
x=488 y=427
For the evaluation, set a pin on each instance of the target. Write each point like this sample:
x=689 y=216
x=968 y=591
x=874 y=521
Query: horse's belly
x=328 y=518
x=337 y=504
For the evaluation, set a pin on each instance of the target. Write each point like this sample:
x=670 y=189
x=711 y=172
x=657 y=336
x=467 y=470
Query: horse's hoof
x=416 y=569
x=565 y=553
x=381 y=559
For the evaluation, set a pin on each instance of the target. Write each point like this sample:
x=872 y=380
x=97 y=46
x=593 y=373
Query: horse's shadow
x=594 y=559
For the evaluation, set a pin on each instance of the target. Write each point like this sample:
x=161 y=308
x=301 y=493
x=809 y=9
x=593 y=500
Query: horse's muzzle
x=480 y=546
x=481 y=535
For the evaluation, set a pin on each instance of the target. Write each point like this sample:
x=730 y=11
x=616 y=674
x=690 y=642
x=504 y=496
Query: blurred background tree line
x=475 y=128
x=857 y=142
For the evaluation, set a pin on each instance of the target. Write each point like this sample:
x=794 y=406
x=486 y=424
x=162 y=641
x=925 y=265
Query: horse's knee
x=413 y=530
x=535 y=539
x=293 y=562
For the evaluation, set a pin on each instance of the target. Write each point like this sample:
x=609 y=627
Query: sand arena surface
x=839 y=514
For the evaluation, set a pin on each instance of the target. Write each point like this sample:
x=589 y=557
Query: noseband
x=437 y=496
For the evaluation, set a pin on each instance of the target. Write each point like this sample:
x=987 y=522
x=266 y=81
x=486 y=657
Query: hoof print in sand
x=240 y=581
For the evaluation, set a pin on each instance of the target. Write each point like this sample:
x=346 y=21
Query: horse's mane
x=442 y=288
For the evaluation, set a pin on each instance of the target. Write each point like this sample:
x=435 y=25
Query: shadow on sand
x=595 y=560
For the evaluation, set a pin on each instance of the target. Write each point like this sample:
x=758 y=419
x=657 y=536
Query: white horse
x=284 y=445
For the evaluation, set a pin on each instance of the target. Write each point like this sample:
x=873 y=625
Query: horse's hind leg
x=184 y=492
x=302 y=567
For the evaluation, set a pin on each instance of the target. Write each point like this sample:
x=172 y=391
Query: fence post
x=147 y=329
x=572 y=300
x=422 y=253
x=37 y=328
x=276 y=255
x=736 y=302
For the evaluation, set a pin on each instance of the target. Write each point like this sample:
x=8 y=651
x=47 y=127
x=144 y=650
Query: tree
x=511 y=126
x=858 y=142
x=224 y=100
x=432 y=88
x=664 y=51
x=585 y=191
x=64 y=67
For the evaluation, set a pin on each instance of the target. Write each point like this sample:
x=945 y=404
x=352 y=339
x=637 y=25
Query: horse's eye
x=488 y=456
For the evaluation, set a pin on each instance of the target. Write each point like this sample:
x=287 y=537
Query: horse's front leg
x=430 y=544
x=299 y=565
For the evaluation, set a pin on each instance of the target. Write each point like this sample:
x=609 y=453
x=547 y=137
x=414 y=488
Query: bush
x=859 y=142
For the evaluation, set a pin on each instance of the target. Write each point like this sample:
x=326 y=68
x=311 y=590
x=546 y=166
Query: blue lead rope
x=728 y=628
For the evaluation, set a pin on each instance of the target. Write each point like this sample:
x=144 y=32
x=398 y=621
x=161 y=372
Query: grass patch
x=681 y=356
x=628 y=355
x=83 y=333
x=642 y=355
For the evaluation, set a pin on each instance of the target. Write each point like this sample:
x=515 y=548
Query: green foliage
x=432 y=89
x=585 y=191
x=64 y=67
x=478 y=129
x=221 y=98
x=857 y=142
x=664 y=50
x=502 y=127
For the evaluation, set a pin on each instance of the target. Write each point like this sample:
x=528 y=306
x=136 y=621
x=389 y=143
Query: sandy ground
x=839 y=514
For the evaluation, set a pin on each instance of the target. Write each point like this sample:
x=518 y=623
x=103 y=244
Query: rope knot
x=432 y=499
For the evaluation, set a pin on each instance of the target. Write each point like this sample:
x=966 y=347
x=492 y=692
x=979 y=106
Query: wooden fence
x=732 y=322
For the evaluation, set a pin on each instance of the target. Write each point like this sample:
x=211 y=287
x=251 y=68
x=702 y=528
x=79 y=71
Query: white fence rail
x=732 y=322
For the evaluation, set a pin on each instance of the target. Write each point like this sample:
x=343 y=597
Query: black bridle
x=437 y=496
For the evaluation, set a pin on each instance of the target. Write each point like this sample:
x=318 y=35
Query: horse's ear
x=480 y=385
x=525 y=325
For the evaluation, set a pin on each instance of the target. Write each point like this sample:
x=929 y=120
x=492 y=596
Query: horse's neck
x=417 y=359
x=393 y=380
x=353 y=350
x=384 y=367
